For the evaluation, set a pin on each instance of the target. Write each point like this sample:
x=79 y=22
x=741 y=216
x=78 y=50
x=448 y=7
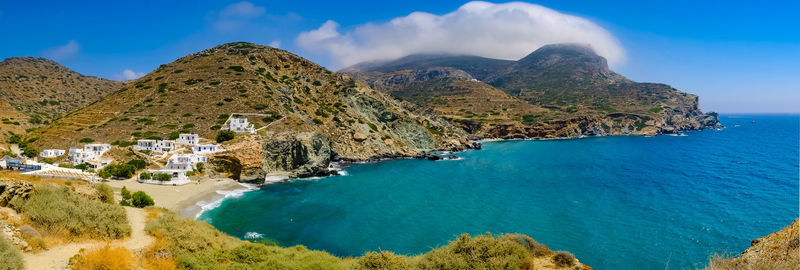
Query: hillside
x=35 y=91
x=312 y=114
x=778 y=251
x=571 y=90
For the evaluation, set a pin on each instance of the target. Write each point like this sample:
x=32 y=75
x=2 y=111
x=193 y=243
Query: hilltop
x=569 y=89
x=35 y=91
x=306 y=113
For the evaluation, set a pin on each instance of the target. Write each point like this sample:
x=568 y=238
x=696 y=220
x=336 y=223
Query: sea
x=620 y=202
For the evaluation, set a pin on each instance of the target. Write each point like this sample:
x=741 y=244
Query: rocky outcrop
x=296 y=155
x=11 y=189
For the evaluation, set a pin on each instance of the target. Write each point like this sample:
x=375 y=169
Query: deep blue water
x=615 y=202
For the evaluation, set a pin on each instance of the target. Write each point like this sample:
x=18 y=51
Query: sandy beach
x=182 y=199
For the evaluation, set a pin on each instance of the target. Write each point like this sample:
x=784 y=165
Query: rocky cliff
x=779 y=251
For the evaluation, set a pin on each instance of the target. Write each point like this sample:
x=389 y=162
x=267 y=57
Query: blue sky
x=737 y=56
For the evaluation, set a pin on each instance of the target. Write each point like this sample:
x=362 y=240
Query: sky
x=738 y=56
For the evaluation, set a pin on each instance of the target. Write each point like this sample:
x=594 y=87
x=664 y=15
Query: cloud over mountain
x=63 y=52
x=504 y=31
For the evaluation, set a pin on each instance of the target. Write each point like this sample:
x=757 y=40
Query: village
x=173 y=161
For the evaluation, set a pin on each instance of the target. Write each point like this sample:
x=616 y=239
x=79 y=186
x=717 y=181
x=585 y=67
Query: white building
x=206 y=149
x=177 y=177
x=185 y=162
x=52 y=153
x=90 y=154
x=155 y=145
x=190 y=139
x=239 y=125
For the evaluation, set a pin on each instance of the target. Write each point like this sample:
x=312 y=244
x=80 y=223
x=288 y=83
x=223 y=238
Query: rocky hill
x=35 y=91
x=778 y=251
x=570 y=90
x=306 y=114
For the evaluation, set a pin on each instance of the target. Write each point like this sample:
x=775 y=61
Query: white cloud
x=63 y=52
x=242 y=9
x=505 y=31
x=275 y=44
x=128 y=75
x=236 y=16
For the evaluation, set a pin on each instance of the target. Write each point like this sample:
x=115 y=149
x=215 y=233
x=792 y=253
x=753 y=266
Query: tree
x=82 y=166
x=200 y=166
x=29 y=151
x=138 y=163
x=141 y=199
x=162 y=177
x=225 y=135
x=126 y=194
x=144 y=176
x=104 y=174
x=15 y=139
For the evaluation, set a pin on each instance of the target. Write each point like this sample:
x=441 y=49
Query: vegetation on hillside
x=10 y=257
x=58 y=210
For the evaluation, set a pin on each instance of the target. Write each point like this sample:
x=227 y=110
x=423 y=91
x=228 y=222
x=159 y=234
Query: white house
x=185 y=162
x=239 y=125
x=51 y=153
x=206 y=149
x=190 y=139
x=90 y=154
x=155 y=145
x=177 y=177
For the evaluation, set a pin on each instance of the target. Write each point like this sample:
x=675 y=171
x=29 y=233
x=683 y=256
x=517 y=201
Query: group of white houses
x=177 y=164
x=91 y=154
x=49 y=153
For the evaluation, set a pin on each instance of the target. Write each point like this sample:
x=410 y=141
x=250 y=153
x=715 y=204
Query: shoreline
x=183 y=199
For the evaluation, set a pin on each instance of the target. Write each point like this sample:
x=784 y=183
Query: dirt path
x=58 y=257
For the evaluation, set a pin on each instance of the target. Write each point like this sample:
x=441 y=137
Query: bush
x=120 y=170
x=10 y=255
x=58 y=209
x=82 y=166
x=480 y=252
x=65 y=165
x=563 y=259
x=162 y=177
x=29 y=151
x=138 y=164
x=225 y=135
x=106 y=193
x=86 y=140
x=104 y=174
x=104 y=258
x=200 y=166
x=124 y=203
x=383 y=260
x=126 y=194
x=144 y=176
x=141 y=199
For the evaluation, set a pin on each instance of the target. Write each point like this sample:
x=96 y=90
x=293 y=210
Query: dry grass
x=777 y=251
x=10 y=257
x=105 y=258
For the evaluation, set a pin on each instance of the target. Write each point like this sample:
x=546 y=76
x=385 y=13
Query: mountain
x=306 y=114
x=570 y=90
x=35 y=91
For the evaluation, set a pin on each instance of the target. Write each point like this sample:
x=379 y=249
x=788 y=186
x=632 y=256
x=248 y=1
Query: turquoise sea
x=615 y=202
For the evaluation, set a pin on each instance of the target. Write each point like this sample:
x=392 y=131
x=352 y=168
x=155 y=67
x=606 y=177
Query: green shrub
x=384 y=260
x=144 y=176
x=58 y=208
x=563 y=259
x=124 y=203
x=126 y=194
x=105 y=192
x=29 y=151
x=200 y=166
x=120 y=170
x=65 y=165
x=86 y=140
x=236 y=68
x=82 y=166
x=10 y=256
x=138 y=164
x=162 y=177
x=225 y=135
x=480 y=252
x=141 y=199
x=104 y=174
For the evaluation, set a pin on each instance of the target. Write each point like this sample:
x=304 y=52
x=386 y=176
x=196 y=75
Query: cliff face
x=562 y=90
